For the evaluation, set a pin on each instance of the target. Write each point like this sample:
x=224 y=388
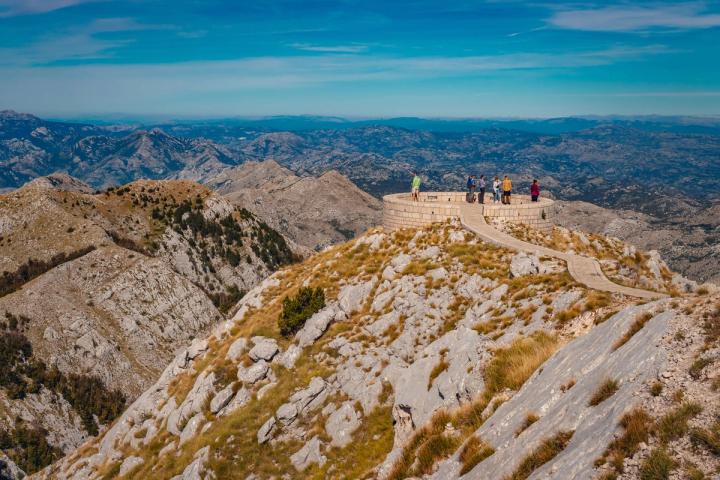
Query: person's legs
x=534 y=198
x=508 y=197
x=481 y=198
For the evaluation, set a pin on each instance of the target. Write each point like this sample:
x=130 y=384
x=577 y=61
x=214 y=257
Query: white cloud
x=629 y=18
x=12 y=8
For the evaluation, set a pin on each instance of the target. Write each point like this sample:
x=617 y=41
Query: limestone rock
x=221 y=399
x=341 y=424
x=253 y=373
x=286 y=413
x=264 y=349
x=352 y=297
x=193 y=403
x=524 y=264
x=237 y=348
x=195 y=470
x=191 y=428
x=288 y=358
x=308 y=454
x=129 y=463
x=241 y=398
x=8 y=469
x=316 y=325
x=311 y=397
x=266 y=431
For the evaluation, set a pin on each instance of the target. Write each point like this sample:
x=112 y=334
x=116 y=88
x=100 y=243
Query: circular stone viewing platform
x=400 y=211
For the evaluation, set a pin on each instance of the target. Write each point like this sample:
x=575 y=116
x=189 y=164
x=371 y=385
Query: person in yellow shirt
x=507 y=190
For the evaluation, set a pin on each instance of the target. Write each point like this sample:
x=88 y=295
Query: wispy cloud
x=78 y=44
x=352 y=48
x=13 y=8
x=630 y=18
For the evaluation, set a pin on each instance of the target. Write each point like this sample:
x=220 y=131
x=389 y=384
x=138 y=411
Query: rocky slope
x=690 y=243
x=312 y=211
x=430 y=355
x=99 y=291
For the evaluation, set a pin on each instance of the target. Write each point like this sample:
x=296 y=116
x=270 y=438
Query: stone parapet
x=400 y=211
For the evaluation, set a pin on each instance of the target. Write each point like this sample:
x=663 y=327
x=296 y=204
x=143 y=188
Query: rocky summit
x=429 y=354
x=100 y=291
x=312 y=211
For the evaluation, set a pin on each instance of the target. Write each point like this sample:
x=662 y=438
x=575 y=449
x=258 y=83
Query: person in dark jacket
x=481 y=189
x=534 y=190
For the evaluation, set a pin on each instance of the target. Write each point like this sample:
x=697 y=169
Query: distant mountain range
x=651 y=123
x=666 y=168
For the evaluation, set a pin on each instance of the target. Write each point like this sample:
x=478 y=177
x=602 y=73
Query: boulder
x=287 y=413
x=191 y=428
x=222 y=398
x=254 y=373
x=341 y=424
x=316 y=325
x=311 y=397
x=241 y=398
x=236 y=349
x=266 y=431
x=288 y=358
x=308 y=454
x=264 y=349
x=262 y=391
x=523 y=264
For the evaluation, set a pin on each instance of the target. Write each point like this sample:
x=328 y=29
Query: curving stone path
x=585 y=270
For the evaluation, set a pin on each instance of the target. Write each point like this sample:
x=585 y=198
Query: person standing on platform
x=507 y=190
x=481 y=189
x=416 y=187
x=534 y=190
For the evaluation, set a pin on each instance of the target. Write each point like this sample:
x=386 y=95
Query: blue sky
x=451 y=58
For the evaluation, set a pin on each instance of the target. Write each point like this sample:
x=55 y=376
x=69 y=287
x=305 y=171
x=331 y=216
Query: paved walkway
x=585 y=270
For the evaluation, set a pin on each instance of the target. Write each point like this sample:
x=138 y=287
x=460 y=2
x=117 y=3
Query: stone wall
x=399 y=211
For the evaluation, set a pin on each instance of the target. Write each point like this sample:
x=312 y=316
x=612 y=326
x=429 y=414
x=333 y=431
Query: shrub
x=12 y=281
x=28 y=447
x=298 y=309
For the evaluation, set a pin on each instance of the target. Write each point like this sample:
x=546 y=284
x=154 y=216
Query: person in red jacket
x=534 y=191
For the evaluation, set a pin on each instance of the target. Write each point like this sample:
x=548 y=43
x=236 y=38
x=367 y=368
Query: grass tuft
x=606 y=390
x=473 y=452
x=530 y=418
x=637 y=325
x=673 y=425
x=657 y=466
x=547 y=450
